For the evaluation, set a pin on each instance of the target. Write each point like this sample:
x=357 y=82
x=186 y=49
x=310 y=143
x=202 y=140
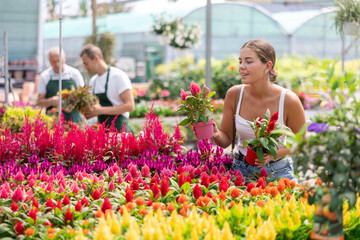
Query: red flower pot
x=204 y=130
x=250 y=156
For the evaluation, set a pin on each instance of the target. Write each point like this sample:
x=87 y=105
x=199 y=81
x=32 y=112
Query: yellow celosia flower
x=266 y=231
x=285 y=213
x=194 y=234
x=292 y=203
x=178 y=234
x=113 y=223
x=297 y=217
x=173 y=220
x=251 y=210
x=346 y=207
x=357 y=212
x=250 y=231
x=103 y=231
x=259 y=220
x=269 y=206
x=226 y=232
x=346 y=218
x=290 y=224
x=160 y=216
x=309 y=210
x=133 y=233
x=125 y=217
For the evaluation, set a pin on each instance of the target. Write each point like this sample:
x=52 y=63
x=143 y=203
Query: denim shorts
x=282 y=168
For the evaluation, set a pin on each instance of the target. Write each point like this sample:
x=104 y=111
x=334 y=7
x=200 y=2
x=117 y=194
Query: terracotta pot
x=204 y=130
x=250 y=156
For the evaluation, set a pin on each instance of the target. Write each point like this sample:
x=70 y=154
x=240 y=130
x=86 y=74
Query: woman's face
x=251 y=68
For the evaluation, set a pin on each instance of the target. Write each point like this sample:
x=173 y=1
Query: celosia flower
x=35 y=203
x=78 y=206
x=128 y=178
x=66 y=200
x=139 y=201
x=19 y=177
x=68 y=217
x=170 y=207
x=143 y=211
x=145 y=171
x=261 y=182
x=133 y=171
x=270 y=127
x=49 y=204
x=111 y=185
x=32 y=214
x=224 y=184
x=182 y=199
x=281 y=185
x=183 y=95
x=263 y=172
x=129 y=194
x=214 y=171
x=18 y=195
x=182 y=179
x=273 y=191
x=197 y=191
x=19 y=228
x=274 y=117
x=222 y=196
x=29 y=232
x=205 y=180
x=75 y=188
x=239 y=181
x=207 y=89
x=110 y=172
x=213 y=178
x=58 y=205
x=260 y=203
x=156 y=191
x=14 y=207
x=84 y=201
x=106 y=205
x=250 y=186
x=235 y=192
x=164 y=187
x=195 y=88
x=96 y=194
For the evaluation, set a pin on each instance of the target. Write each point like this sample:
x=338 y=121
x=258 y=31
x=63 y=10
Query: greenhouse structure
x=309 y=32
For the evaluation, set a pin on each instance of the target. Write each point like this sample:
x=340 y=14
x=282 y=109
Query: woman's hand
x=267 y=159
x=216 y=130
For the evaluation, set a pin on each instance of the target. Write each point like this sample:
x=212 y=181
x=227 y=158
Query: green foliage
x=333 y=153
x=15 y=117
x=106 y=42
x=348 y=11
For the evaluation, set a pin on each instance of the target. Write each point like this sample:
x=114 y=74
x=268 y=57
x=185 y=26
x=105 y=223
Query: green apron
x=105 y=102
x=52 y=89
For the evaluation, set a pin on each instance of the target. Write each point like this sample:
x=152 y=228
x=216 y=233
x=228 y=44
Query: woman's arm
x=224 y=136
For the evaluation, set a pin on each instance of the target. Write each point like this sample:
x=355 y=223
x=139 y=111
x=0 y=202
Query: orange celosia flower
x=273 y=191
x=156 y=206
x=29 y=231
x=318 y=181
x=206 y=200
x=302 y=199
x=235 y=192
x=233 y=203
x=254 y=192
x=70 y=231
x=51 y=230
x=183 y=210
x=306 y=195
x=271 y=184
x=288 y=196
x=51 y=235
x=204 y=215
x=281 y=186
x=267 y=190
x=182 y=199
x=139 y=201
x=215 y=198
x=292 y=183
x=222 y=196
x=129 y=206
x=260 y=203
x=99 y=214
x=287 y=182
x=200 y=202
x=143 y=211
x=86 y=231
x=170 y=207
x=85 y=222
x=307 y=184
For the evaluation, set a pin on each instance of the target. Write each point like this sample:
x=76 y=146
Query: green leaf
x=264 y=142
x=273 y=152
x=186 y=186
x=351 y=197
x=260 y=154
x=184 y=122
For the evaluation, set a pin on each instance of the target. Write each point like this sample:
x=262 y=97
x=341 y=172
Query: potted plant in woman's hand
x=196 y=104
x=267 y=138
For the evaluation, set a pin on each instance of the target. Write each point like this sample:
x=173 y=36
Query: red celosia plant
x=267 y=132
x=196 y=104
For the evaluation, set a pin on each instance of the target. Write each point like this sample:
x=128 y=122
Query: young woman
x=257 y=94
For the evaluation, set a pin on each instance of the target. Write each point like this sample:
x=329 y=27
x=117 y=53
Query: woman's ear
x=269 y=66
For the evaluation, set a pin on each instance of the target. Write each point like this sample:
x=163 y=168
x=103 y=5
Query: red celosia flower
x=235 y=192
x=205 y=169
x=19 y=228
x=14 y=207
x=213 y=178
x=239 y=181
x=96 y=194
x=49 y=204
x=106 y=205
x=66 y=200
x=182 y=179
x=250 y=186
x=183 y=95
x=128 y=178
x=164 y=187
x=156 y=191
x=111 y=185
x=149 y=202
x=222 y=170
x=68 y=216
x=78 y=206
x=110 y=172
x=209 y=195
x=135 y=185
x=180 y=170
x=133 y=171
x=270 y=127
x=35 y=203
x=155 y=180
x=214 y=170
x=58 y=205
x=48 y=223
x=274 y=117
x=32 y=214
x=263 y=173
x=197 y=191
x=189 y=179
x=119 y=180
x=224 y=184
x=18 y=195
x=261 y=182
x=84 y=201
x=205 y=180
x=145 y=171
x=258 y=122
x=129 y=194
x=195 y=88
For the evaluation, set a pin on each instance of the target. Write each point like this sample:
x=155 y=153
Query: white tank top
x=243 y=127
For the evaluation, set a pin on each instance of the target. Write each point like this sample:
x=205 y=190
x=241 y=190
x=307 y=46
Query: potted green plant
x=267 y=137
x=347 y=17
x=330 y=149
x=196 y=105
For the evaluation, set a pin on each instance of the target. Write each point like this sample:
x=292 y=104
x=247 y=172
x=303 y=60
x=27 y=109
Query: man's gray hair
x=56 y=50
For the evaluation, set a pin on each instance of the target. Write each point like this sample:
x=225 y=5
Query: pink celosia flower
x=49 y=187
x=35 y=203
x=61 y=189
x=84 y=201
x=207 y=90
x=110 y=171
x=222 y=170
x=195 y=88
x=239 y=181
x=263 y=172
x=44 y=177
x=111 y=185
x=83 y=186
x=31 y=177
x=214 y=170
x=145 y=171
x=128 y=178
x=18 y=195
x=101 y=190
x=205 y=169
x=75 y=188
x=183 y=95
x=4 y=194
x=58 y=205
x=133 y=171
x=119 y=180
x=19 y=177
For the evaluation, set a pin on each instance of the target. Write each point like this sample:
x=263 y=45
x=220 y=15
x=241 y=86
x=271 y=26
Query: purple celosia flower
x=318 y=127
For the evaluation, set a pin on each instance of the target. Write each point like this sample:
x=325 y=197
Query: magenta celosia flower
x=18 y=195
x=183 y=95
x=44 y=177
x=195 y=88
x=197 y=191
x=133 y=171
x=111 y=185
